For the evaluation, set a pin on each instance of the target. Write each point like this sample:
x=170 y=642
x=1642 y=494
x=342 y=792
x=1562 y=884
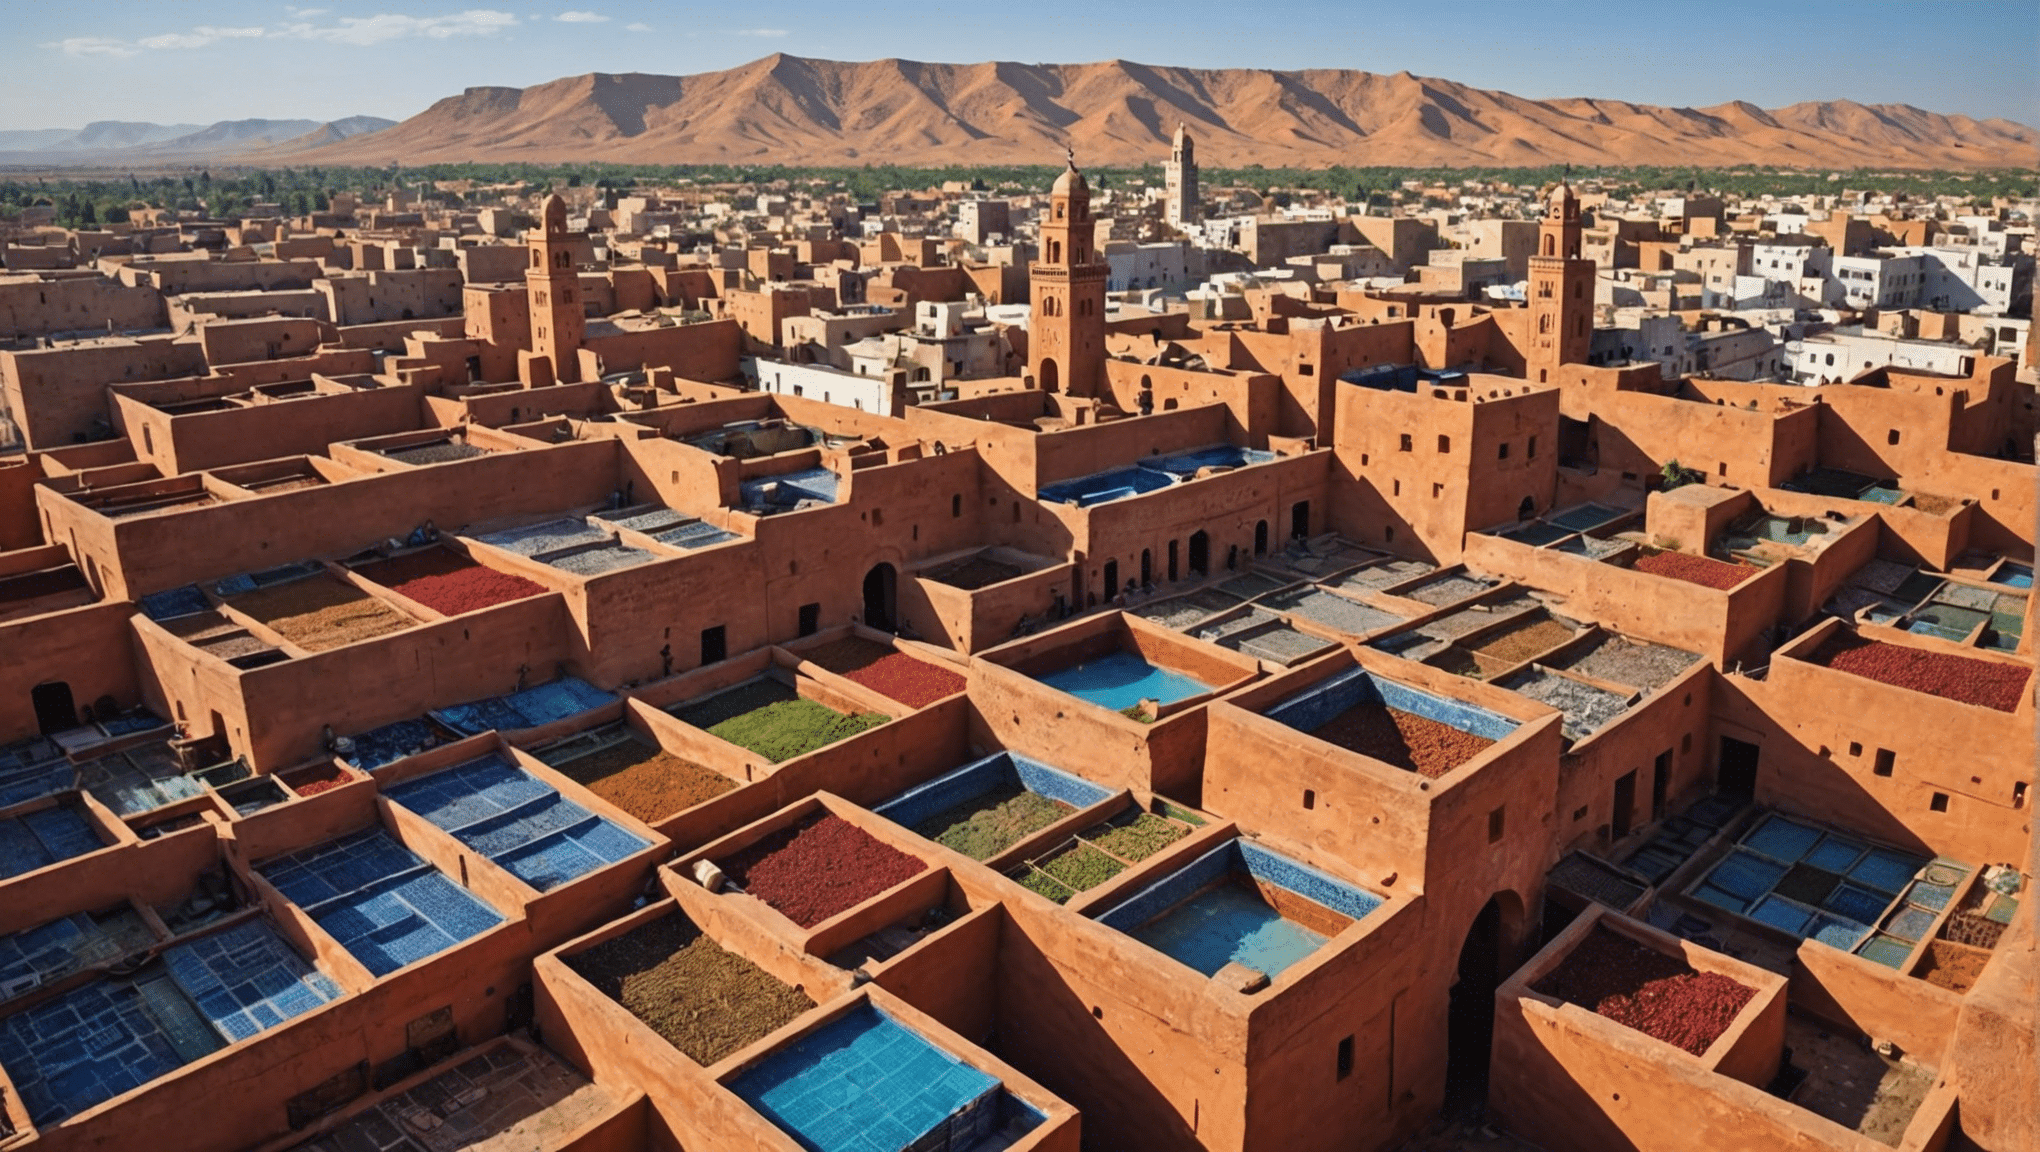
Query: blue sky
x=197 y=61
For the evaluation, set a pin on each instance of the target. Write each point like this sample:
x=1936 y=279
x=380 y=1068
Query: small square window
x=1855 y=748
x=1444 y=443
x=1885 y=762
x=1503 y=452
x=1408 y=443
x=1939 y=803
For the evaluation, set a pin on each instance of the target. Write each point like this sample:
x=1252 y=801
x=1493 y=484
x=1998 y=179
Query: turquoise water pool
x=1122 y=680
x=1229 y=923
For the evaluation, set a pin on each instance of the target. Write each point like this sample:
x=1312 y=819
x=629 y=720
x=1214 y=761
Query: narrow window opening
x=1309 y=798
x=1886 y=762
x=1345 y=1057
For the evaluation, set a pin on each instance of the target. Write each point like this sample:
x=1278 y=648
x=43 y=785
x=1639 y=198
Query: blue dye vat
x=1885 y=870
x=517 y=820
x=1222 y=456
x=39 y=839
x=1121 y=680
x=95 y=1042
x=379 y=899
x=1837 y=932
x=31 y=769
x=1858 y=904
x=788 y=489
x=1782 y=839
x=392 y=742
x=1229 y=924
x=247 y=979
x=173 y=603
x=863 y=1083
x=1088 y=490
x=531 y=708
x=2013 y=576
x=1835 y=853
x=975 y=779
x=1782 y=914
x=1746 y=875
x=1210 y=911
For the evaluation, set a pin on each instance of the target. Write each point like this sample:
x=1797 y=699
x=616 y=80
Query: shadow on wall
x=1045 y=1026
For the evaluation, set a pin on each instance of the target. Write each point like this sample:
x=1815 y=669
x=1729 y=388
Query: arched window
x=1055 y=251
x=1550 y=246
x=1544 y=324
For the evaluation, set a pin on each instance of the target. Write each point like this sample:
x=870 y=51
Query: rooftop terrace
x=1240 y=904
x=380 y=900
x=1401 y=726
x=517 y=820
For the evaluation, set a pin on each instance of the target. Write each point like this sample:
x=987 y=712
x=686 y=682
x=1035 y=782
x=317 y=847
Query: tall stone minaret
x=557 y=323
x=1179 y=205
x=1066 y=330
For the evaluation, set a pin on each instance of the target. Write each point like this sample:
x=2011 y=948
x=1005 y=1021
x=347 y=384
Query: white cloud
x=198 y=37
x=637 y=27
x=361 y=31
x=305 y=13
x=93 y=46
x=582 y=18
x=358 y=31
x=760 y=32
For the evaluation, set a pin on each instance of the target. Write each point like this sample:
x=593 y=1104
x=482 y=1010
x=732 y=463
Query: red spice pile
x=449 y=583
x=1658 y=995
x=1411 y=742
x=915 y=683
x=819 y=867
x=1701 y=570
x=468 y=590
x=1951 y=677
x=322 y=778
x=912 y=682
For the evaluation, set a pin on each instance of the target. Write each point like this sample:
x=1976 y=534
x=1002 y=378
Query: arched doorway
x=1147 y=567
x=1175 y=573
x=1470 y=1016
x=881 y=597
x=1526 y=509
x=55 y=711
x=1261 y=538
x=1299 y=520
x=1111 y=579
x=1200 y=553
x=1051 y=377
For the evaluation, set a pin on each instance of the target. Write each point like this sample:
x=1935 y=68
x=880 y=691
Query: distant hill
x=786 y=109
x=114 y=141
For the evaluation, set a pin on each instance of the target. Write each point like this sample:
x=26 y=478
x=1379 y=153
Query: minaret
x=557 y=322
x=1066 y=330
x=1561 y=290
x=1179 y=205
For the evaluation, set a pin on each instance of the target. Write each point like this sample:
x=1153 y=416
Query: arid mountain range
x=789 y=110
x=121 y=142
